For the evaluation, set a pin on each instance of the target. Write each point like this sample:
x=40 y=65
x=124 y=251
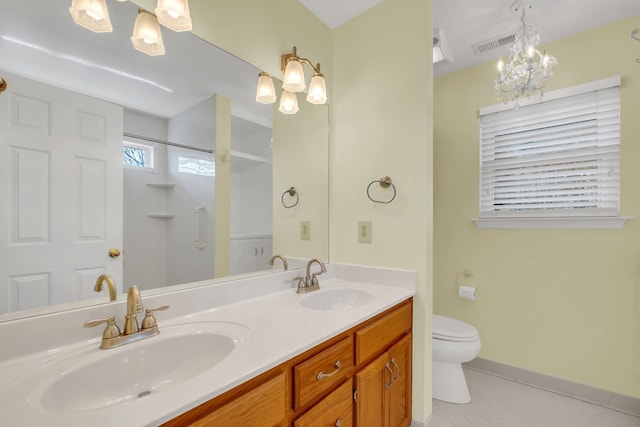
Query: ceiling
x=466 y=22
x=66 y=54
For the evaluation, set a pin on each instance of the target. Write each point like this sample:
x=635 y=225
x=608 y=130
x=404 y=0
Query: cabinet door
x=265 y=251
x=372 y=385
x=400 y=390
x=333 y=410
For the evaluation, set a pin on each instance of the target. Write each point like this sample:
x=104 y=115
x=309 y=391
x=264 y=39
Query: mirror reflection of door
x=61 y=211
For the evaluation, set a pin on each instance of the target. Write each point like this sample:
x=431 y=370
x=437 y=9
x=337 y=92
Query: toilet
x=454 y=342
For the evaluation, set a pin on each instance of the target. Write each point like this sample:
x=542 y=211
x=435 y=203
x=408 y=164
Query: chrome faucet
x=112 y=337
x=113 y=293
x=282 y=258
x=310 y=281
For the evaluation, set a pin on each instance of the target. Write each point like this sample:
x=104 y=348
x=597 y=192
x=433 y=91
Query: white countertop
x=277 y=328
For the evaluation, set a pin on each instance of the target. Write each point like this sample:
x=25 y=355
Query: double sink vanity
x=247 y=352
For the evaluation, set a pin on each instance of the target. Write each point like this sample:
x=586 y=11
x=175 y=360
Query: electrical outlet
x=305 y=230
x=364 y=231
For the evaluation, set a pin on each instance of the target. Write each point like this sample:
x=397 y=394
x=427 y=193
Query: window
x=196 y=166
x=137 y=155
x=557 y=158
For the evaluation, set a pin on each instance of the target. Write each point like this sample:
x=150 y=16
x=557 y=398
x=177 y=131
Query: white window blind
x=555 y=158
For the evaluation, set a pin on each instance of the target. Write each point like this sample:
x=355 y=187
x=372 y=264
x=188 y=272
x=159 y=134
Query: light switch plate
x=305 y=230
x=364 y=231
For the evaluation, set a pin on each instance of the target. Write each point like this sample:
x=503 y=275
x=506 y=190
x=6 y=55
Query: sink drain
x=143 y=394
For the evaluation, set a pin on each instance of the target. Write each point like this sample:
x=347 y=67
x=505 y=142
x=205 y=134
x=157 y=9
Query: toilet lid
x=448 y=329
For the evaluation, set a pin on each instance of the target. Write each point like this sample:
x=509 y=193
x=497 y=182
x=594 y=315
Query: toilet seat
x=448 y=329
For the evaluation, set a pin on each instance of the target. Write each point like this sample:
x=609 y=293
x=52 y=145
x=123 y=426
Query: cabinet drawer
x=334 y=410
x=316 y=376
x=374 y=338
x=263 y=406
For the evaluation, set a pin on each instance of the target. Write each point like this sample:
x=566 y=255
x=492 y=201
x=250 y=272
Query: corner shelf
x=160 y=215
x=160 y=185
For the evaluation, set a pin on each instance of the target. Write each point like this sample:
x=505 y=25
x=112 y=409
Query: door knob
x=114 y=253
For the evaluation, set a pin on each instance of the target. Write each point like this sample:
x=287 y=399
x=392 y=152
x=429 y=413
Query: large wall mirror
x=103 y=147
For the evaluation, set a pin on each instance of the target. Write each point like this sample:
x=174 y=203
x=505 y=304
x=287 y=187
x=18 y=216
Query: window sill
x=594 y=223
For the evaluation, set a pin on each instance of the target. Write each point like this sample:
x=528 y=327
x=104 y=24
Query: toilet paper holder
x=465 y=291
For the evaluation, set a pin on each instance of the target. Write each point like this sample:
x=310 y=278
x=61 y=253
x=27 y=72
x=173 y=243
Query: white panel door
x=60 y=194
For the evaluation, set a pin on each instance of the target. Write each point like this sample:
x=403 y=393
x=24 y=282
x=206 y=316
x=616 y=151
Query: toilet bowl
x=454 y=342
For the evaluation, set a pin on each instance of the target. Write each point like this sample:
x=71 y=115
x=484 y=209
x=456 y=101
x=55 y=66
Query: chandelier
x=527 y=70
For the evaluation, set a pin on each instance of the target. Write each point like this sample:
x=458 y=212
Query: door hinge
x=355 y=395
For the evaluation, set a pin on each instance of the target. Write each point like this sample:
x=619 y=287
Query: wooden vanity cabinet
x=365 y=381
x=383 y=388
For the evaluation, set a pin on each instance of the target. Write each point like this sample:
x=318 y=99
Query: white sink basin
x=91 y=379
x=335 y=299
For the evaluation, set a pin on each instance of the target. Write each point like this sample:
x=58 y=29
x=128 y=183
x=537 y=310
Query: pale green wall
x=381 y=122
x=300 y=157
x=559 y=302
x=382 y=116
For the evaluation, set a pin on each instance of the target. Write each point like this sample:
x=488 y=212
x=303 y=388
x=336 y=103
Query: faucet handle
x=149 y=320
x=111 y=331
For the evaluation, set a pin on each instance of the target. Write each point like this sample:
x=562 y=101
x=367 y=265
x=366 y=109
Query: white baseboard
x=619 y=402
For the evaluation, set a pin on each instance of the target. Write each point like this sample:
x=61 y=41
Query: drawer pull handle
x=322 y=375
x=338 y=423
x=395 y=365
x=387 y=385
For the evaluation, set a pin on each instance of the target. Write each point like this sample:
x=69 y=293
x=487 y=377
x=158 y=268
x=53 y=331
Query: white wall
x=145 y=239
x=185 y=261
x=251 y=181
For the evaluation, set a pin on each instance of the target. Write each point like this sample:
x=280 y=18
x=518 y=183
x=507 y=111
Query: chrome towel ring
x=292 y=192
x=385 y=182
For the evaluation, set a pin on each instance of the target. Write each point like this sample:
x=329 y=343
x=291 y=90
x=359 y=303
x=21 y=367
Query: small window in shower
x=137 y=155
x=196 y=166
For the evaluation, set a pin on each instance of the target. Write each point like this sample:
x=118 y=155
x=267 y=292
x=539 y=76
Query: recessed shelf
x=239 y=155
x=160 y=215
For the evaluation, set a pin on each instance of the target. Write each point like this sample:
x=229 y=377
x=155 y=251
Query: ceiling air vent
x=494 y=43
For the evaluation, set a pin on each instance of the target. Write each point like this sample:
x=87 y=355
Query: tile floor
x=498 y=402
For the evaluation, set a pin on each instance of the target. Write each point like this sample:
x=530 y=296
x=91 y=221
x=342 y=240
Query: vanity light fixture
x=147 y=37
x=527 y=69
x=293 y=82
x=266 y=93
x=174 y=14
x=91 y=14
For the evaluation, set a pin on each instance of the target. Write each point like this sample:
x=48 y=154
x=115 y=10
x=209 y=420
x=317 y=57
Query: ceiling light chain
x=147 y=37
x=527 y=70
x=293 y=81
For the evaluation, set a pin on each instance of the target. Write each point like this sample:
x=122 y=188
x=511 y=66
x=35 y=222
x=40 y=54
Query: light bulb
x=288 y=103
x=293 y=80
x=147 y=37
x=317 y=90
x=266 y=92
x=174 y=14
x=91 y=14
x=530 y=51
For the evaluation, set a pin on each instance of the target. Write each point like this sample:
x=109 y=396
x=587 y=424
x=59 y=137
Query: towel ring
x=292 y=192
x=634 y=35
x=3 y=84
x=385 y=182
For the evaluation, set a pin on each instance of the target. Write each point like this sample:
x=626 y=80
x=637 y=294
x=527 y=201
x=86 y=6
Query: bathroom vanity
x=360 y=377
x=249 y=352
